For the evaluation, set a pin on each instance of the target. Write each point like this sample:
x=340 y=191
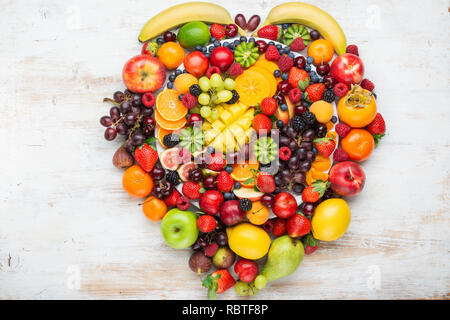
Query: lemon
x=248 y=241
x=331 y=219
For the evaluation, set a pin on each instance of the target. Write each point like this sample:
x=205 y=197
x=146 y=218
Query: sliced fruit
x=290 y=109
x=248 y=193
x=191 y=139
x=169 y=106
x=266 y=64
x=184 y=81
x=169 y=158
x=183 y=170
x=245 y=171
x=269 y=77
x=252 y=87
x=246 y=54
x=169 y=125
x=321 y=163
x=160 y=133
x=296 y=31
x=266 y=150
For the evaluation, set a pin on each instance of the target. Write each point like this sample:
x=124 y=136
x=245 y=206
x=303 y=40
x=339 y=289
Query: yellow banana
x=311 y=16
x=183 y=13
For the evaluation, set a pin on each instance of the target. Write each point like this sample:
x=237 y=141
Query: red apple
x=143 y=73
x=221 y=57
x=210 y=201
x=196 y=63
x=348 y=69
x=298 y=226
x=230 y=213
x=247 y=270
x=347 y=178
x=284 y=205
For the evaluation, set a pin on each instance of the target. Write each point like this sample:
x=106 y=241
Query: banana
x=311 y=16
x=183 y=13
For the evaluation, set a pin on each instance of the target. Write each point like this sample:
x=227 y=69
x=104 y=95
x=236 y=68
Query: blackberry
x=173 y=177
x=309 y=118
x=171 y=140
x=195 y=90
x=329 y=96
x=235 y=97
x=245 y=204
x=298 y=124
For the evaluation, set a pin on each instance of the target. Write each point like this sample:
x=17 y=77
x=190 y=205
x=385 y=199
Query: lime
x=193 y=34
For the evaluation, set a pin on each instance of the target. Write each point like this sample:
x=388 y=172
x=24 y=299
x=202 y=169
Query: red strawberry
x=310 y=243
x=265 y=182
x=269 y=32
x=171 y=201
x=298 y=226
x=314 y=92
x=218 y=31
x=295 y=95
x=367 y=84
x=206 y=223
x=217 y=162
x=235 y=70
x=192 y=190
x=353 y=49
x=189 y=100
x=284 y=153
x=297 y=45
x=279 y=227
x=211 y=249
x=377 y=128
x=224 y=182
x=261 y=123
x=340 y=155
x=218 y=282
x=272 y=53
x=146 y=156
x=285 y=63
x=298 y=78
x=342 y=129
x=340 y=89
x=315 y=191
x=268 y=106
x=325 y=146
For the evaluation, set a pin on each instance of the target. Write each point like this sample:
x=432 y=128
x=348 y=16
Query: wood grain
x=62 y=208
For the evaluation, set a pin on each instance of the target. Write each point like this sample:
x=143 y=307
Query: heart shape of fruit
x=243 y=147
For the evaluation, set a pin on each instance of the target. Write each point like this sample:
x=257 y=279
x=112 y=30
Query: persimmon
x=154 y=209
x=359 y=144
x=137 y=182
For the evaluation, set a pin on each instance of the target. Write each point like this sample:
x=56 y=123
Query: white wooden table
x=64 y=216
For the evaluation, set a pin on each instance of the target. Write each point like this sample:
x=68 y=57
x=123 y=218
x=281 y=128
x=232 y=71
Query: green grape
x=216 y=81
x=252 y=290
x=224 y=95
x=204 y=84
x=205 y=112
x=204 y=99
x=260 y=282
x=215 y=99
x=195 y=109
x=214 y=114
x=242 y=288
x=229 y=84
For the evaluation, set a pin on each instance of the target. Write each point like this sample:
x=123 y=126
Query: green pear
x=284 y=257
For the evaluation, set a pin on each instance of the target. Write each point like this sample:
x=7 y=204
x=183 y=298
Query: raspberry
x=272 y=53
x=342 y=129
x=297 y=45
x=235 y=70
x=352 y=48
x=212 y=70
x=284 y=153
x=340 y=155
x=189 y=100
x=285 y=63
x=295 y=95
x=367 y=84
x=340 y=89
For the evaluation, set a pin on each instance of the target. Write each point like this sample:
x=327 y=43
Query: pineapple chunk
x=210 y=135
x=217 y=144
x=236 y=130
x=246 y=120
x=218 y=125
x=226 y=117
x=206 y=126
x=229 y=143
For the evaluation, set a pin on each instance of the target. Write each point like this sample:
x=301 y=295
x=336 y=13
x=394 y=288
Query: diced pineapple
x=236 y=110
x=218 y=125
x=210 y=135
x=229 y=143
x=246 y=120
x=217 y=144
x=236 y=130
x=206 y=126
x=248 y=134
x=226 y=117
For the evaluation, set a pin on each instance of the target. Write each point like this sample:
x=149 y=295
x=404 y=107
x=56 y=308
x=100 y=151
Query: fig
x=122 y=159
x=199 y=263
x=224 y=258
x=183 y=170
x=169 y=159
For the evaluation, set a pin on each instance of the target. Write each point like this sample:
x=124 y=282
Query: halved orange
x=169 y=125
x=160 y=135
x=169 y=106
x=244 y=171
x=269 y=76
x=252 y=87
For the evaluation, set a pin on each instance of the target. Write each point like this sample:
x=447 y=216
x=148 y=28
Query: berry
x=195 y=90
x=353 y=49
x=148 y=99
x=329 y=96
x=298 y=123
x=224 y=182
x=283 y=107
x=314 y=92
x=325 y=146
x=340 y=155
x=315 y=191
x=218 y=31
x=146 y=156
x=268 y=106
x=192 y=190
x=279 y=227
x=171 y=200
x=295 y=95
x=298 y=78
x=342 y=129
x=217 y=162
x=211 y=249
x=367 y=84
x=173 y=177
x=183 y=203
x=265 y=182
x=309 y=60
x=228 y=169
x=245 y=204
x=171 y=140
x=284 y=153
x=269 y=32
x=189 y=100
x=235 y=70
x=298 y=226
x=262 y=122
x=206 y=223
x=272 y=53
x=234 y=98
x=377 y=128
x=308 y=117
x=285 y=63
x=297 y=45
x=340 y=89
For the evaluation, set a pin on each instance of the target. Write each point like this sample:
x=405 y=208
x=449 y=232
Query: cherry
x=329 y=81
x=193 y=118
x=300 y=62
x=262 y=46
x=323 y=69
x=231 y=30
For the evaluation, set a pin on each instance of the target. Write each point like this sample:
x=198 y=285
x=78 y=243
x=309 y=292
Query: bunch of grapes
x=129 y=118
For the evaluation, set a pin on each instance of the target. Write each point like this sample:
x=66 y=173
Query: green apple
x=179 y=228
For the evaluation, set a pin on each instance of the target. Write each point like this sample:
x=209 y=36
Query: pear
x=284 y=257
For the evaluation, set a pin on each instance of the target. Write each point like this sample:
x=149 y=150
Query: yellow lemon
x=248 y=241
x=322 y=110
x=331 y=219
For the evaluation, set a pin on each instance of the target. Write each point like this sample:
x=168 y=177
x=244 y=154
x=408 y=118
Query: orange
x=321 y=50
x=171 y=55
x=169 y=125
x=137 y=182
x=244 y=171
x=322 y=110
x=330 y=125
x=154 y=209
x=313 y=175
x=269 y=76
x=359 y=144
x=258 y=214
x=161 y=133
x=169 y=106
x=266 y=64
x=184 y=81
x=356 y=115
x=252 y=87
x=321 y=163
x=332 y=134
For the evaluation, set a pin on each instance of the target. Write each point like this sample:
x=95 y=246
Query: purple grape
x=106 y=121
x=110 y=134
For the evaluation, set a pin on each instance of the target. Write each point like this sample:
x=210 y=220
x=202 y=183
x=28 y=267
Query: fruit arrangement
x=243 y=145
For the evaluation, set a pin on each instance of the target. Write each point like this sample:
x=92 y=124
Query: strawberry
x=218 y=31
x=262 y=122
x=218 y=282
x=315 y=191
x=310 y=243
x=295 y=95
x=269 y=32
x=192 y=190
x=272 y=53
x=206 y=223
x=265 y=182
x=285 y=63
x=325 y=146
x=279 y=227
x=314 y=92
x=377 y=128
x=235 y=70
x=298 y=78
x=171 y=201
x=268 y=106
x=297 y=45
x=224 y=182
x=217 y=162
x=298 y=226
x=342 y=129
x=146 y=156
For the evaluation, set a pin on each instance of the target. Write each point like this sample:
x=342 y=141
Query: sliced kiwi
x=246 y=54
x=265 y=150
x=296 y=31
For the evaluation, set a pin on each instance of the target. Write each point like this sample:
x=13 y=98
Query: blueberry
x=277 y=73
x=228 y=196
x=180 y=97
x=169 y=85
x=210 y=149
x=236 y=42
x=177 y=72
x=314 y=149
x=278 y=46
x=172 y=77
x=251 y=40
x=292 y=55
x=309 y=60
x=160 y=41
x=283 y=107
x=280 y=124
x=204 y=49
x=271 y=43
x=228 y=169
x=198 y=48
x=308 y=68
x=211 y=49
x=287 y=50
x=285 y=25
x=226 y=44
x=207 y=55
x=284 y=76
x=243 y=39
x=237 y=185
x=185 y=71
x=216 y=43
x=334 y=119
